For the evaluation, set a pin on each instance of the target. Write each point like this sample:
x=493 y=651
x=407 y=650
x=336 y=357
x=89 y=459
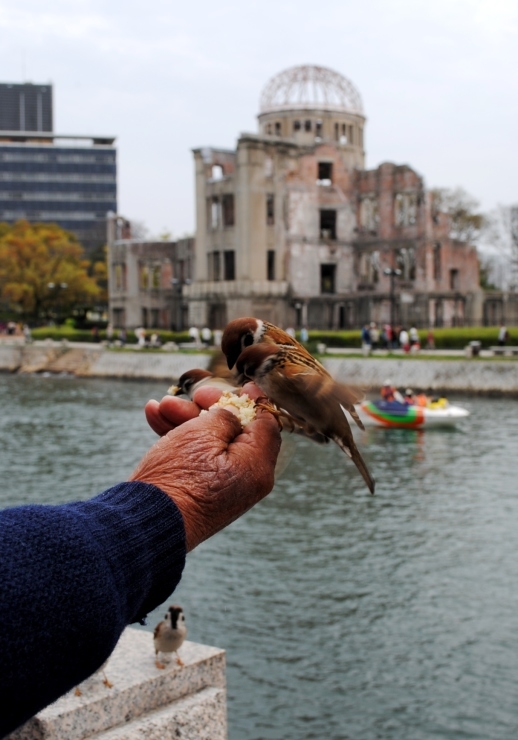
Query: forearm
x=72 y=578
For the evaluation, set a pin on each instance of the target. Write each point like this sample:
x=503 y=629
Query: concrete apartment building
x=47 y=177
x=292 y=228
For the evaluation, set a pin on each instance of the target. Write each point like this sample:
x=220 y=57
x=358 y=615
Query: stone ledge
x=201 y=716
x=141 y=695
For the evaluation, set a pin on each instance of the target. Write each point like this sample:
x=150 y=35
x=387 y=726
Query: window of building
x=269 y=129
x=351 y=137
x=369 y=217
x=327 y=224
x=405 y=209
x=230 y=265
x=270 y=265
x=270 y=209
x=454 y=279
x=307 y=125
x=337 y=132
x=328 y=278
x=145 y=318
x=214 y=213
x=216 y=266
x=437 y=261
x=118 y=278
x=228 y=209
x=296 y=125
x=318 y=129
x=325 y=173
x=144 y=277
x=405 y=260
x=154 y=318
x=155 y=277
x=277 y=128
x=217 y=172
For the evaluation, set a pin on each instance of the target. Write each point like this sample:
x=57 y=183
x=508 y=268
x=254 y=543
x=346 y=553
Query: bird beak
x=174 y=390
x=232 y=357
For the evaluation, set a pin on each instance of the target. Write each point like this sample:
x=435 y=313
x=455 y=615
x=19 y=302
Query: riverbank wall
x=485 y=376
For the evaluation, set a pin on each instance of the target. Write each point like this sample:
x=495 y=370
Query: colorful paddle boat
x=406 y=416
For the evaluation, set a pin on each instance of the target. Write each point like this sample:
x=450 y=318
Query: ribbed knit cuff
x=141 y=534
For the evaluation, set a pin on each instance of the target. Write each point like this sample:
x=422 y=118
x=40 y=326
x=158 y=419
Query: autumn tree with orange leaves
x=42 y=268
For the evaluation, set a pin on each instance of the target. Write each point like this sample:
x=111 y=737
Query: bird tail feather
x=354 y=453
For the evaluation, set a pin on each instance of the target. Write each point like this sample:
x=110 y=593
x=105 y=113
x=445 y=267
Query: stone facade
x=291 y=227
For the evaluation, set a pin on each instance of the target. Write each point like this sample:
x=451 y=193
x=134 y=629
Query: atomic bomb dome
x=310 y=105
x=309 y=86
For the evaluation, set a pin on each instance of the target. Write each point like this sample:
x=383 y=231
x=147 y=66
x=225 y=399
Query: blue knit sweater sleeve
x=72 y=577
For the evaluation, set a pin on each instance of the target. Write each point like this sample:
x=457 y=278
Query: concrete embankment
x=490 y=377
x=455 y=375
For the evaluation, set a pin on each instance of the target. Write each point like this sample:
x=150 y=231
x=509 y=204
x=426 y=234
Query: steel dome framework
x=309 y=86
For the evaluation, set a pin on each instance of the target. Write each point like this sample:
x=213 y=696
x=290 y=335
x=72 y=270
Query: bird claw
x=160 y=665
x=265 y=404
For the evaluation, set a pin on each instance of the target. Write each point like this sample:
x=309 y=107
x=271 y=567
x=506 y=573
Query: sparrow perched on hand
x=242 y=333
x=300 y=386
x=169 y=634
x=193 y=379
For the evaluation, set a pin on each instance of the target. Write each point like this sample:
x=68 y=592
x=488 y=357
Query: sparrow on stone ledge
x=303 y=389
x=169 y=634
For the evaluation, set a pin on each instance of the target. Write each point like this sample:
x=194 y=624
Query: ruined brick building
x=291 y=227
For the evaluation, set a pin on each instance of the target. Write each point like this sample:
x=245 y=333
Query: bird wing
x=314 y=381
x=318 y=404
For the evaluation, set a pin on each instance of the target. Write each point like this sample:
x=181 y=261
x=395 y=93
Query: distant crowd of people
x=398 y=337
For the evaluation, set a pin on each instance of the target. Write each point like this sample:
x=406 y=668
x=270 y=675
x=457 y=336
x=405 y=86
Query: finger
x=252 y=391
x=169 y=413
x=155 y=420
x=206 y=396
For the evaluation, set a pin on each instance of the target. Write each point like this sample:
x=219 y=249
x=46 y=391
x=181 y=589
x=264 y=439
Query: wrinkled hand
x=212 y=468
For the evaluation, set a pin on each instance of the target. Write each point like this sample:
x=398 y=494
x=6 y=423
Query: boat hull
x=399 y=415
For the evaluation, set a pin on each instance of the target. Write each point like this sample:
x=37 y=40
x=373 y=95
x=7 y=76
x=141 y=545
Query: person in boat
x=409 y=397
x=390 y=393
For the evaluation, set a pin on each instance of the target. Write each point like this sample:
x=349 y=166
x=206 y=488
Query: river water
x=343 y=615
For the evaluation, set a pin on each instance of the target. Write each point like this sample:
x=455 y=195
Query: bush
x=66 y=331
x=451 y=338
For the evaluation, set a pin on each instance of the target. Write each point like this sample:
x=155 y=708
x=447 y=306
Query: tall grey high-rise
x=67 y=179
x=25 y=107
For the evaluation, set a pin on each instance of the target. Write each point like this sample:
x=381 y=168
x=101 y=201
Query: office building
x=67 y=179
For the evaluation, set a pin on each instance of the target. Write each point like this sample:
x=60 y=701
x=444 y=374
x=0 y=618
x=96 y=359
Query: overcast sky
x=438 y=80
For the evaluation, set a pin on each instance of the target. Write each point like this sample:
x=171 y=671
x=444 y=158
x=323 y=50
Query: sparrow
x=245 y=332
x=169 y=634
x=190 y=381
x=303 y=389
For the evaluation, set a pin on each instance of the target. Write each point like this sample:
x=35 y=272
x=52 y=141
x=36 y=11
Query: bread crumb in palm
x=242 y=406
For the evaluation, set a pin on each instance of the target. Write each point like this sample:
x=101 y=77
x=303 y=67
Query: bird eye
x=248 y=340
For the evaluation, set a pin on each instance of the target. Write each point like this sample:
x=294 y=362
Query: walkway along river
x=497 y=376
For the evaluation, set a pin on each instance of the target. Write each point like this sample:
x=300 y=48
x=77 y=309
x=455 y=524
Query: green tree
x=42 y=270
x=467 y=223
